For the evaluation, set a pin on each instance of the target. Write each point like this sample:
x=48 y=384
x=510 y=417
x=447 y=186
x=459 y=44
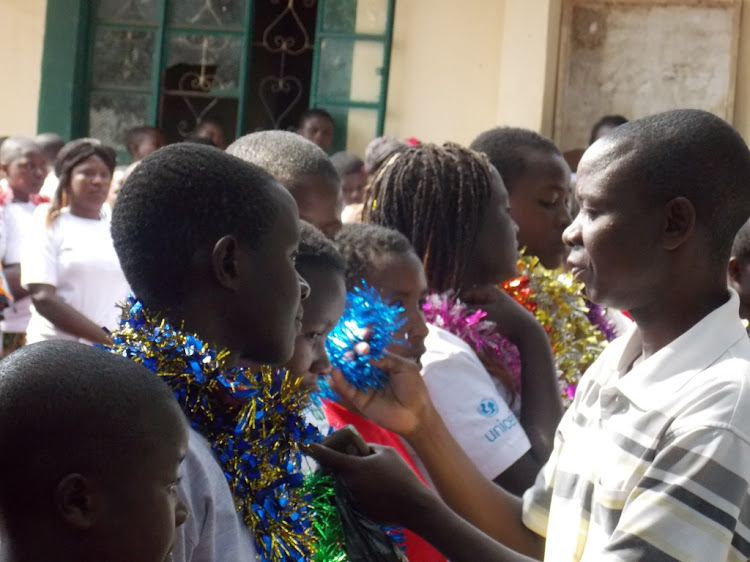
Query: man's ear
x=4 y=169
x=77 y=501
x=679 y=222
x=224 y=262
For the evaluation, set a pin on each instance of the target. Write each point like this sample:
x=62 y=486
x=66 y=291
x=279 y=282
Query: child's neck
x=20 y=197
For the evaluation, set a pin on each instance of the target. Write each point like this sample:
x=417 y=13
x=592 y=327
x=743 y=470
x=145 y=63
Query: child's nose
x=564 y=216
x=181 y=512
x=418 y=327
x=322 y=364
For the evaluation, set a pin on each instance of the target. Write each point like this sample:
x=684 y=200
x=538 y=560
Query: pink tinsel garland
x=450 y=313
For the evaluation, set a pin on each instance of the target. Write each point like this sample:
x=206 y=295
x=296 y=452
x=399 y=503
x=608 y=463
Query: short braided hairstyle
x=436 y=196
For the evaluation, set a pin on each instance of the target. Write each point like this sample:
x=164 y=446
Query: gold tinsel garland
x=556 y=301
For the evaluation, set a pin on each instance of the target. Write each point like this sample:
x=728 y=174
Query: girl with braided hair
x=453 y=207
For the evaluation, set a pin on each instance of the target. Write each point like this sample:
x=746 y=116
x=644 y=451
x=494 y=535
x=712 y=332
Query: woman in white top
x=69 y=265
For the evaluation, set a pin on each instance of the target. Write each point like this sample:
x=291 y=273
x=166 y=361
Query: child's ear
x=76 y=502
x=224 y=262
x=734 y=274
x=679 y=222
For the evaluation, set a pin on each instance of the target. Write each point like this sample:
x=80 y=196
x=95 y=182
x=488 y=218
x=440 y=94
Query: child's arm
x=388 y=491
x=541 y=407
x=404 y=407
x=64 y=316
x=13 y=275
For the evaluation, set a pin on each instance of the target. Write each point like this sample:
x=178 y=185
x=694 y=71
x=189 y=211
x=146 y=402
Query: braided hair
x=436 y=196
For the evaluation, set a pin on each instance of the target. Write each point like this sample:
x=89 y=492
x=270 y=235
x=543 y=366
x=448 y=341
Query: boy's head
x=739 y=268
x=351 y=169
x=303 y=168
x=24 y=166
x=91 y=443
x=661 y=200
x=384 y=259
x=453 y=207
x=214 y=131
x=322 y=266
x=379 y=151
x=143 y=140
x=538 y=182
x=316 y=125
x=604 y=126
x=208 y=239
x=50 y=143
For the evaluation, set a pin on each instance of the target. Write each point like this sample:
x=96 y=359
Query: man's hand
x=383 y=485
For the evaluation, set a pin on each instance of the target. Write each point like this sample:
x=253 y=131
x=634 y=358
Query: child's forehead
x=27 y=153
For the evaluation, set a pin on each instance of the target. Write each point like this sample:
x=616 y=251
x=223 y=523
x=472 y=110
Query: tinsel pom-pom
x=367 y=328
x=252 y=420
x=450 y=313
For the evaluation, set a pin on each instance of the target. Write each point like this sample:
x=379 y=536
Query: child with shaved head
x=303 y=168
x=91 y=447
x=24 y=166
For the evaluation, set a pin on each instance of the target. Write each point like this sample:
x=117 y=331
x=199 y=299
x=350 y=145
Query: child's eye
x=173 y=486
x=551 y=205
x=314 y=336
x=590 y=213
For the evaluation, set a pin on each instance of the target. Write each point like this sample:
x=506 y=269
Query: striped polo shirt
x=652 y=462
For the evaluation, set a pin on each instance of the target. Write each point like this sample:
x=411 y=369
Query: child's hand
x=384 y=486
x=402 y=406
x=509 y=316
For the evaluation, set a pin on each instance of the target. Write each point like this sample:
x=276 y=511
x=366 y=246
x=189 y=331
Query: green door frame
x=64 y=68
x=66 y=62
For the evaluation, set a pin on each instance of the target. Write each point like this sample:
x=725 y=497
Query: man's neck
x=663 y=322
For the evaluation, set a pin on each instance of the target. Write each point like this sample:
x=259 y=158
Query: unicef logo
x=488 y=407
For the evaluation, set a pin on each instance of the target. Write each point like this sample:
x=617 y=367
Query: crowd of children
x=513 y=425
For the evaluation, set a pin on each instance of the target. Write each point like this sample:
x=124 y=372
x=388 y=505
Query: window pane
x=355 y=16
x=350 y=70
x=112 y=114
x=127 y=11
x=354 y=128
x=207 y=63
x=220 y=14
x=361 y=128
x=340 y=16
x=123 y=58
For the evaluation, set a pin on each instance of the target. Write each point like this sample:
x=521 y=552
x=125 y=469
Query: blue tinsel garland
x=256 y=437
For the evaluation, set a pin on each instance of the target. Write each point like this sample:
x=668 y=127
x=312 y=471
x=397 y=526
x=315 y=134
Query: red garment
x=417 y=549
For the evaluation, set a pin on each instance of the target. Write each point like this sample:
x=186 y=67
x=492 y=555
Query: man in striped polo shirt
x=652 y=460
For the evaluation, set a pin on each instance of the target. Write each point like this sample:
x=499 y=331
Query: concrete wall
x=457 y=68
x=445 y=65
x=22 y=35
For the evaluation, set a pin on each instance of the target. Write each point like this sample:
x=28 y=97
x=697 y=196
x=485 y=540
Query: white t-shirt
x=468 y=401
x=18 y=228
x=50 y=185
x=76 y=256
x=315 y=416
x=214 y=531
